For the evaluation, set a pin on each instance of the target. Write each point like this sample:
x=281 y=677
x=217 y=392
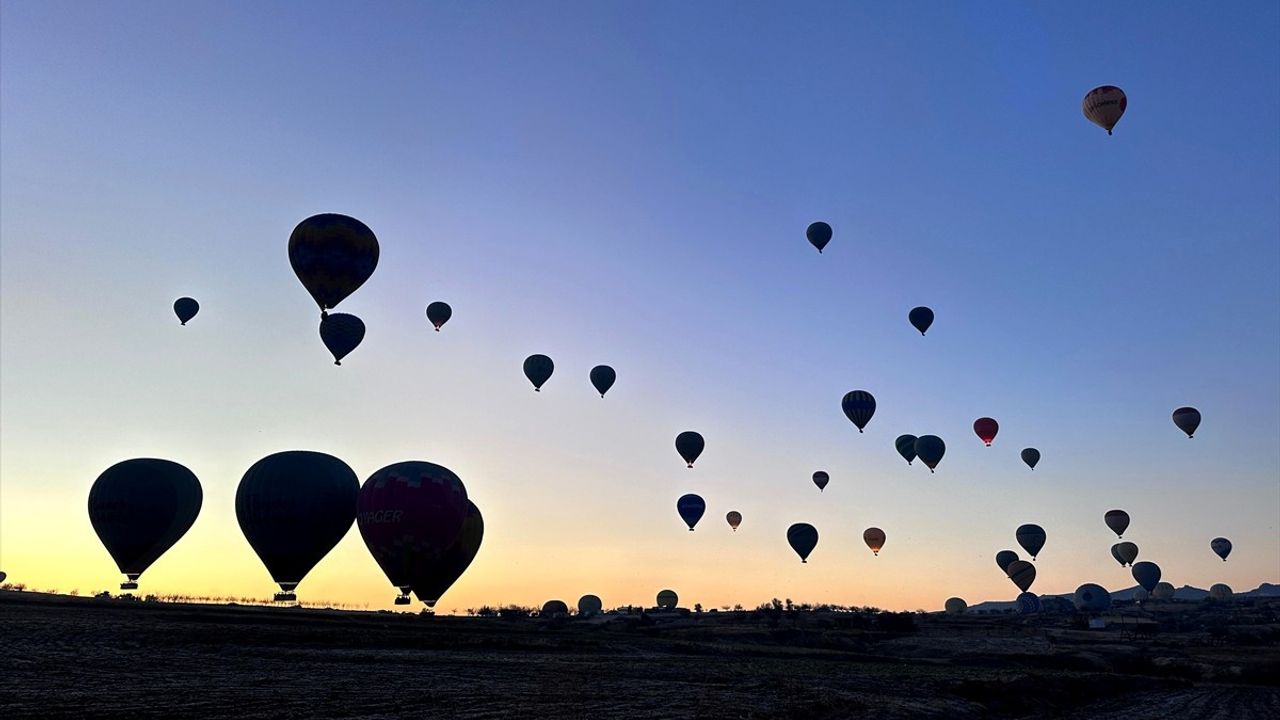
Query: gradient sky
x=629 y=183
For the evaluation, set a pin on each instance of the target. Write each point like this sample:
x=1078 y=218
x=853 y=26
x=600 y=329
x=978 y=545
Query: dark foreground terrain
x=80 y=657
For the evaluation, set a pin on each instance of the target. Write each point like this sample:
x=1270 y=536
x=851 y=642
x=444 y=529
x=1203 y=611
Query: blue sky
x=629 y=183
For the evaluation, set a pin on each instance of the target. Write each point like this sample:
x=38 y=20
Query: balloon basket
x=402 y=600
x=285 y=597
x=129 y=585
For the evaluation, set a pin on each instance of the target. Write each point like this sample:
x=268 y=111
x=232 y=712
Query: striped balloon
x=1022 y=573
x=858 y=406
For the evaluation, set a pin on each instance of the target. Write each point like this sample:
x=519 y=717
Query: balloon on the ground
x=1022 y=573
x=185 y=308
x=1147 y=574
x=1164 y=592
x=667 y=599
x=293 y=507
x=1031 y=457
x=602 y=378
x=1004 y=558
x=589 y=605
x=690 y=445
x=955 y=606
x=1221 y=547
x=554 y=608
x=691 y=507
x=734 y=518
x=1124 y=552
x=538 y=369
x=819 y=234
x=1028 y=603
x=930 y=449
x=1187 y=419
x=1091 y=597
x=858 y=406
x=438 y=577
x=821 y=478
x=1220 y=592
x=1104 y=105
x=332 y=255
x=1031 y=538
x=803 y=538
x=341 y=333
x=874 y=538
x=920 y=318
x=1117 y=520
x=439 y=313
x=139 y=508
x=986 y=428
x=906 y=446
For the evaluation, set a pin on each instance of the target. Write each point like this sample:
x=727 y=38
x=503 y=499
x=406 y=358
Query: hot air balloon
x=1022 y=573
x=439 y=576
x=603 y=377
x=553 y=609
x=1221 y=547
x=1187 y=419
x=1004 y=558
x=293 y=508
x=538 y=369
x=332 y=255
x=667 y=599
x=589 y=605
x=1029 y=603
x=1031 y=538
x=1140 y=596
x=185 y=308
x=1117 y=520
x=1124 y=553
x=921 y=318
x=858 y=406
x=1031 y=457
x=691 y=507
x=906 y=446
x=690 y=444
x=1163 y=592
x=803 y=538
x=986 y=429
x=341 y=333
x=819 y=235
x=439 y=313
x=930 y=449
x=874 y=538
x=956 y=606
x=1104 y=105
x=1091 y=598
x=3 y=577
x=409 y=515
x=1147 y=574
x=1220 y=592
x=821 y=478
x=734 y=518
x=139 y=508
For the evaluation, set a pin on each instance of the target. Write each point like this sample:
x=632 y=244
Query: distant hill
x=1186 y=593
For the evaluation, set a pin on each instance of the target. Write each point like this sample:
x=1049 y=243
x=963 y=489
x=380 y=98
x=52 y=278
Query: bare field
x=79 y=657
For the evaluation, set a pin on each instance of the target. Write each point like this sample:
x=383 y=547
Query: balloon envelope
x=293 y=507
x=1028 y=603
x=1187 y=419
x=409 y=514
x=589 y=605
x=821 y=478
x=438 y=577
x=1031 y=538
x=1104 y=105
x=906 y=445
x=1221 y=547
x=439 y=313
x=956 y=606
x=341 y=333
x=874 y=538
x=185 y=308
x=538 y=369
x=858 y=406
x=667 y=599
x=1091 y=598
x=1147 y=574
x=602 y=378
x=1220 y=592
x=554 y=608
x=691 y=507
x=1022 y=573
x=1124 y=552
x=819 y=234
x=930 y=449
x=920 y=318
x=690 y=445
x=734 y=518
x=332 y=255
x=986 y=429
x=1004 y=558
x=1117 y=520
x=139 y=508
x=1163 y=592
x=803 y=538
x=1031 y=457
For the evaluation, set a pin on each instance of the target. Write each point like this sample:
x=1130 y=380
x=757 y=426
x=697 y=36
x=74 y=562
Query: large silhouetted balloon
x=1147 y=574
x=1104 y=105
x=1091 y=598
x=690 y=445
x=1124 y=552
x=986 y=429
x=1117 y=520
x=1221 y=547
x=874 y=538
x=139 y=508
x=293 y=508
x=341 y=333
x=667 y=599
x=1187 y=419
x=1031 y=538
x=589 y=605
x=803 y=538
x=906 y=446
x=819 y=234
x=1004 y=558
x=602 y=378
x=930 y=449
x=1022 y=573
x=920 y=318
x=185 y=308
x=955 y=606
x=734 y=518
x=438 y=313
x=691 y=507
x=439 y=576
x=538 y=369
x=1031 y=457
x=409 y=514
x=332 y=255
x=858 y=406
x=821 y=478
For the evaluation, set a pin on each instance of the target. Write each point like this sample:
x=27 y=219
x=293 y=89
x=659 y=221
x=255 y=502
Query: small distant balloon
x=1031 y=538
x=341 y=333
x=819 y=234
x=1031 y=457
x=734 y=518
x=1221 y=547
x=803 y=538
x=821 y=478
x=986 y=429
x=955 y=606
x=1187 y=419
x=3 y=576
x=667 y=599
x=906 y=446
x=1147 y=574
x=1004 y=558
x=920 y=318
x=858 y=406
x=185 y=308
x=589 y=605
x=930 y=449
x=1117 y=520
x=1091 y=598
x=1022 y=573
x=1221 y=592
x=554 y=608
x=1104 y=105
x=538 y=369
x=690 y=445
x=874 y=538
x=1124 y=552
x=439 y=313
x=691 y=507
x=602 y=378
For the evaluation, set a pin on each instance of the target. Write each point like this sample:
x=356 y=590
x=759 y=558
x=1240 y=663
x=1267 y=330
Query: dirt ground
x=85 y=658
